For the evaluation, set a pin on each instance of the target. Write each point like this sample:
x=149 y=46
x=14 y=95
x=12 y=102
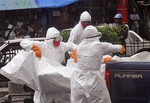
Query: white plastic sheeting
x=139 y=57
x=37 y=73
x=46 y=77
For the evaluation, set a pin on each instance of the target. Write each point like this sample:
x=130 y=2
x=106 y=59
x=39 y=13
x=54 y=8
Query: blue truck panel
x=129 y=82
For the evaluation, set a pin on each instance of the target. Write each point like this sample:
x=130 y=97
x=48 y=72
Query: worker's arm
x=26 y=44
x=110 y=48
x=30 y=45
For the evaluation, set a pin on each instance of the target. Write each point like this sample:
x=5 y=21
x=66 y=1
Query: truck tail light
x=107 y=78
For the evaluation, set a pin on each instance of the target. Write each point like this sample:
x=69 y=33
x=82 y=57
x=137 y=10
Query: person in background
x=121 y=28
x=24 y=31
x=9 y=34
x=18 y=31
x=1 y=37
x=54 y=50
x=41 y=33
x=135 y=18
x=76 y=35
x=29 y=24
x=20 y=21
x=87 y=84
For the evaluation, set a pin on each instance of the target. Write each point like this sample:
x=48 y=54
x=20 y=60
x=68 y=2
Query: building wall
x=102 y=11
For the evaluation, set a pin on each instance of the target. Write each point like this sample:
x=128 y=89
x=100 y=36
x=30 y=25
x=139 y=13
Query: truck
x=128 y=82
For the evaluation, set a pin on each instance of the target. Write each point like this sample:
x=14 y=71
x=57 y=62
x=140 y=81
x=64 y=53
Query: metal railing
x=136 y=46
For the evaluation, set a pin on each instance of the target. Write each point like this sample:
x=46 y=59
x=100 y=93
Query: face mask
x=85 y=24
x=56 y=41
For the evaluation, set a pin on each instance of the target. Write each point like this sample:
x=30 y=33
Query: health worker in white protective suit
x=76 y=35
x=54 y=50
x=87 y=84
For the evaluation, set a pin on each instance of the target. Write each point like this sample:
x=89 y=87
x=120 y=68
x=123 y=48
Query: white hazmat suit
x=52 y=53
x=87 y=84
x=76 y=35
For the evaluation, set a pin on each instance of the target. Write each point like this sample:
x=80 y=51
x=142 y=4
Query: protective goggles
x=99 y=35
x=59 y=38
x=86 y=22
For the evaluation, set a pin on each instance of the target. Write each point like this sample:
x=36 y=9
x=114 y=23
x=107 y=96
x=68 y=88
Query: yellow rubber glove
x=37 y=51
x=107 y=59
x=123 y=49
x=74 y=55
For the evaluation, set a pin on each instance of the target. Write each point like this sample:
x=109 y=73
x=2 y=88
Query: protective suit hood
x=85 y=16
x=52 y=33
x=91 y=32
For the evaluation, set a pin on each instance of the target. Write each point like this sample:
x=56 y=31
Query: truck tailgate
x=129 y=82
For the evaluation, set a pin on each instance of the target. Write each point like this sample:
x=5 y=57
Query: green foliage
x=109 y=34
x=65 y=34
